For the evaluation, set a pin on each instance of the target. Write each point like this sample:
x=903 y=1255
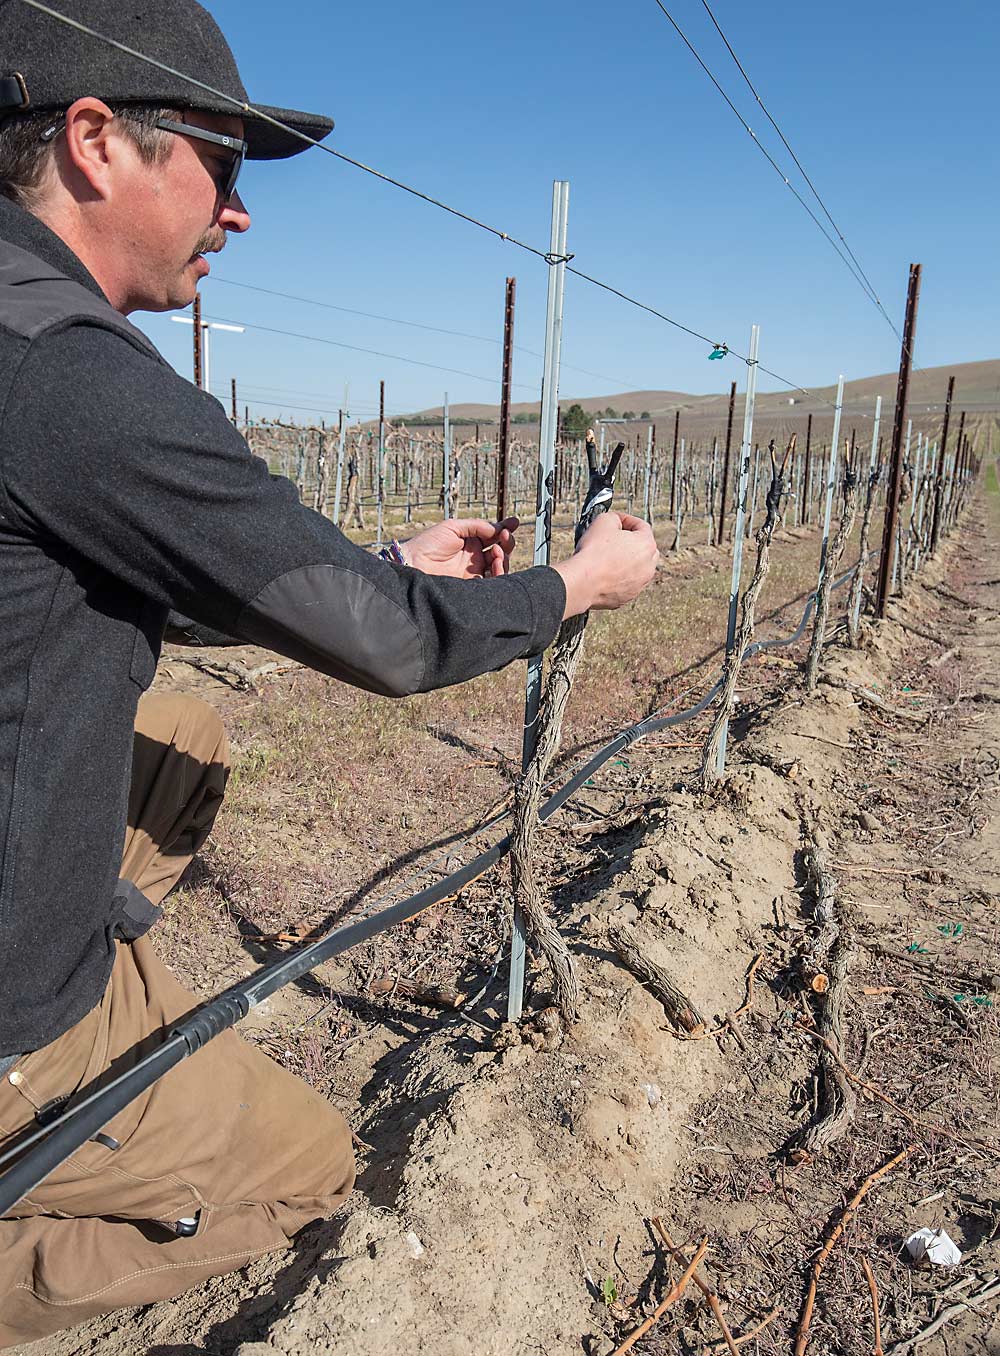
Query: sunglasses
x=227 y=175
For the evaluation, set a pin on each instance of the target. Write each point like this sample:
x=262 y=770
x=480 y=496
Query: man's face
x=170 y=215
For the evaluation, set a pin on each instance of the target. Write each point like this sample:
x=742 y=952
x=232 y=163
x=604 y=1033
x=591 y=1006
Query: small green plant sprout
x=609 y=1291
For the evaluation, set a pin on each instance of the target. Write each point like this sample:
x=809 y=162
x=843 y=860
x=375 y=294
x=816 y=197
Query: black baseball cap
x=46 y=65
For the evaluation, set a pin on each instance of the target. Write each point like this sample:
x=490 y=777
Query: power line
x=248 y=109
x=353 y=348
x=416 y=325
x=855 y=273
x=244 y=107
x=633 y=301
x=801 y=168
x=367 y=315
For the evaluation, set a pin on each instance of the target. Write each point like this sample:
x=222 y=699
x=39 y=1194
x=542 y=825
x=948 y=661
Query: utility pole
x=198 y=374
x=724 y=504
x=896 y=454
x=233 y=416
x=202 y=331
x=939 y=472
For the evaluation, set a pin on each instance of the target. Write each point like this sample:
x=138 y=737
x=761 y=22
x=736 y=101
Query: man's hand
x=463 y=548
x=614 y=562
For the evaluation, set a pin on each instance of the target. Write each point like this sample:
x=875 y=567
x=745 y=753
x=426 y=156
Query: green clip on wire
x=719 y=351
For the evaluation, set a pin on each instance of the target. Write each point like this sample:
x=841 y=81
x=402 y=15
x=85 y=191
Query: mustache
x=212 y=242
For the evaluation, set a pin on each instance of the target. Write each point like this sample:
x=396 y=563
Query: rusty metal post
x=895 y=481
x=508 y=361
x=724 y=502
x=939 y=470
x=199 y=376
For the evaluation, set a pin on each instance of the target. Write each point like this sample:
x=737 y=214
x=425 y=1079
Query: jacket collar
x=21 y=228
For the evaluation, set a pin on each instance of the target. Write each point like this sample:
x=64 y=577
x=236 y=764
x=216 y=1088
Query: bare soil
x=506 y=1193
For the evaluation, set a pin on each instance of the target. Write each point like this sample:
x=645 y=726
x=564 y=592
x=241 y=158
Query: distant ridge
x=977 y=387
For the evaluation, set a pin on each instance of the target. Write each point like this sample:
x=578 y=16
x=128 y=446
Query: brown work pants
x=226 y=1136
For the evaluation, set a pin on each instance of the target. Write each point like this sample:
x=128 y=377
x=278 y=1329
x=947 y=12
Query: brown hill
x=977 y=387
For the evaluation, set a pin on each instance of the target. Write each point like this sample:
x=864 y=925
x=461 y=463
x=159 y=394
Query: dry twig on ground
x=990 y=1291
x=873 y=699
x=745 y=1337
x=711 y=1298
x=846 y=1215
x=670 y=1298
x=921 y=631
x=228 y=669
x=866 y=1267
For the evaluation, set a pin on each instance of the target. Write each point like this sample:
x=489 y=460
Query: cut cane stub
x=819 y=983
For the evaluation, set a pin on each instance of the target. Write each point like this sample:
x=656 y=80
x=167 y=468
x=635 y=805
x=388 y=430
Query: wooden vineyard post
x=724 y=499
x=894 y=485
x=503 y=447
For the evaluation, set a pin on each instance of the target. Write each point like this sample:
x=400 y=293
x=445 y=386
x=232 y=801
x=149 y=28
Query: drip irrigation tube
x=34 y=1156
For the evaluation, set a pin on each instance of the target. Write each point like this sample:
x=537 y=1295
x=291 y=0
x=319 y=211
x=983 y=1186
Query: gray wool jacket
x=126 y=493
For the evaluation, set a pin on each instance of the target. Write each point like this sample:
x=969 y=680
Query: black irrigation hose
x=36 y=1155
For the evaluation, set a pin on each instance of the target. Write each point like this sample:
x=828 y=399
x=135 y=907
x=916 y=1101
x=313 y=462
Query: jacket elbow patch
x=337 y=622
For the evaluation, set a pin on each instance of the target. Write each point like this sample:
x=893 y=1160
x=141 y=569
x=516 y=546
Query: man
x=125 y=493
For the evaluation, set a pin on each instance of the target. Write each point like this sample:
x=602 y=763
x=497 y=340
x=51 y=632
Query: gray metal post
x=742 y=479
x=831 y=474
x=543 y=526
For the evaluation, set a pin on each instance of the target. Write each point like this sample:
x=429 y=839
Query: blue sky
x=888 y=107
